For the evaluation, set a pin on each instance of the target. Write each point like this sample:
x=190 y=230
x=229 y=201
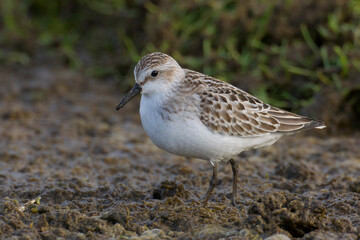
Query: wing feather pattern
x=228 y=110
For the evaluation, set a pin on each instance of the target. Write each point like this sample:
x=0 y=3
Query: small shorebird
x=190 y=114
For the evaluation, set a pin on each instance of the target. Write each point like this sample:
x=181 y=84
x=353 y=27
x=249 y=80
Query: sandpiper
x=190 y=114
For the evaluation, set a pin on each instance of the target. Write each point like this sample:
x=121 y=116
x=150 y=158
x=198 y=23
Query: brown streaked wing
x=237 y=113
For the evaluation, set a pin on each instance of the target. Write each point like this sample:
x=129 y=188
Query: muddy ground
x=100 y=177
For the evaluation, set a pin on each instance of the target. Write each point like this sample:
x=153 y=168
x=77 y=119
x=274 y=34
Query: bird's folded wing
x=231 y=111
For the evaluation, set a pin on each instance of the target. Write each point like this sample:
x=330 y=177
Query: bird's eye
x=154 y=73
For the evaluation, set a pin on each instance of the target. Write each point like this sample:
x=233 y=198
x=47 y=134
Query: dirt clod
x=170 y=189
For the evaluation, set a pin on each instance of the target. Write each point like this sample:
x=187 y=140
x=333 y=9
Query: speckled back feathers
x=227 y=110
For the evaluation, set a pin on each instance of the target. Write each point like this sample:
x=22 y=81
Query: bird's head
x=154 y=74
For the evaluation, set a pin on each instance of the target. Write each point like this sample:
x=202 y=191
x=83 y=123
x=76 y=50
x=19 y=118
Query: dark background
x=299 y=55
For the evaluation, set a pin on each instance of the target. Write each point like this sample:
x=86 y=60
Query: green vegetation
x=287 y=52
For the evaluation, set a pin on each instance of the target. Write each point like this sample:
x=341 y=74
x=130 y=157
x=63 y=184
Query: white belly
x=191 y=138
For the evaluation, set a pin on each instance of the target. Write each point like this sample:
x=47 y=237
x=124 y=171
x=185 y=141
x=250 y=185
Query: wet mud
x=74 y=168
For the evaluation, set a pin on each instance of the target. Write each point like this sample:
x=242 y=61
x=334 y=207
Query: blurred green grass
x=290 y=53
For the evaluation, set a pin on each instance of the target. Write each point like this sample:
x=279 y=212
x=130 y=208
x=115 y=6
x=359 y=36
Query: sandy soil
x=73 y=167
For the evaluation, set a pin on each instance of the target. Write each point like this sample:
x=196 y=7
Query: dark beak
x=130 y=95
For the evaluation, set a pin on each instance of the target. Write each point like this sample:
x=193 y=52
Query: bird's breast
x=154 y=121
x=170 y=127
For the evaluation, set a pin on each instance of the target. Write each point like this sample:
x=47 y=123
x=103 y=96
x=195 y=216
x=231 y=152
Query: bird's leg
x=212 y=184
x=235 y=170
